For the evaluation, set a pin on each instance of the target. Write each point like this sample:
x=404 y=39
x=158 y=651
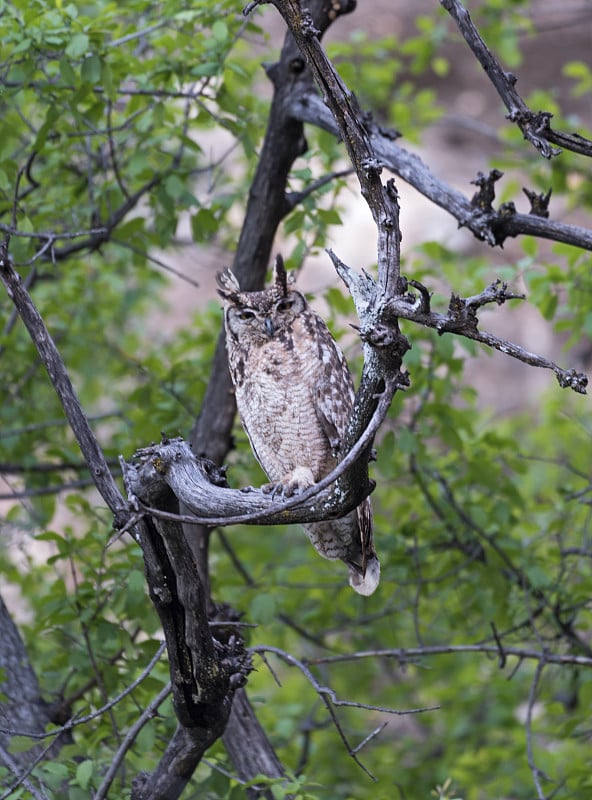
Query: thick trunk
x=22 y=709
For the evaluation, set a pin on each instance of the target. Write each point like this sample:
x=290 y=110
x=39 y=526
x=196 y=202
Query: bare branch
x=535 y=126
x=21 y=780
x=492 y=227
x=461 y=319
x=330 y=701
x=45 y=491
x=407 y=655
x=537 y=773
x=295 y=198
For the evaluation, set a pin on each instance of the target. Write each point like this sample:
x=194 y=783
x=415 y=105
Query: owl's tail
x=366 y=583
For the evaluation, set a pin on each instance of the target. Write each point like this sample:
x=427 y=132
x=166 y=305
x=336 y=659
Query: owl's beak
x=269 y=328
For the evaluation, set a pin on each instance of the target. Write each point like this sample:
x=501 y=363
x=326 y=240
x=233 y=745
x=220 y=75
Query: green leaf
x=67 y=72
x=204 y=224
x=90 y=70
x=220 y=31
x=77 y=46
x=84 y=773
x=263 y=608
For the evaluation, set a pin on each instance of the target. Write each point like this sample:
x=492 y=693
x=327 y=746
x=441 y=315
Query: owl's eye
x=246 y=314
x=284 y=305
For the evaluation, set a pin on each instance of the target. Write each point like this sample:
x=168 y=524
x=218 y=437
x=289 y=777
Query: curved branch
x=201 y=487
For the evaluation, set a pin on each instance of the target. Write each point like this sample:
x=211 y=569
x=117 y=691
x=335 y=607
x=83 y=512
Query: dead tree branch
x=380 y=332
x=535 y=125
x=461 y=319
x=491 y=226
x=331 y=701
x=201 y=487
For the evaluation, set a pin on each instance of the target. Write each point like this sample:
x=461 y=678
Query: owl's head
x=259 y=316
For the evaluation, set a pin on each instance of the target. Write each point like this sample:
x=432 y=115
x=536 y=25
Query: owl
x=294 y=395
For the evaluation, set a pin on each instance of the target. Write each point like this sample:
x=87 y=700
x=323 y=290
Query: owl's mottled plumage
x=294 y=394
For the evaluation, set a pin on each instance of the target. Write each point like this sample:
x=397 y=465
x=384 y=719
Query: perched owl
x=294 y=394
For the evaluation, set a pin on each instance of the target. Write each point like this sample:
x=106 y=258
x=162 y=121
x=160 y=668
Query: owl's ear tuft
x=280 y=276
x=229 y=285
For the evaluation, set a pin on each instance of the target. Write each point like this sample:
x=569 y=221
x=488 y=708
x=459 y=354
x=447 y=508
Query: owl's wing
x=334 y=397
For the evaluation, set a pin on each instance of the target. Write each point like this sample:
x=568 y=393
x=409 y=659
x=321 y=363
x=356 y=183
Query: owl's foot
x=293 y=483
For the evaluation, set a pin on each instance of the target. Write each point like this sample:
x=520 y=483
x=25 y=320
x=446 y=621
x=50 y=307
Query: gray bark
x=24 y=710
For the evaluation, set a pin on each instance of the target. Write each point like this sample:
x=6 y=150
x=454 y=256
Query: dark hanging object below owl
x=294 y=394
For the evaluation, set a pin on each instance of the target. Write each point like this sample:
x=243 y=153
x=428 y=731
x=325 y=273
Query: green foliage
x=483 y=523
x=387 y=74
x=103 y=112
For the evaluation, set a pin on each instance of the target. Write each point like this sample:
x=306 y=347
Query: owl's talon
x=293 y=483
x=278 y=491
x=272 y=489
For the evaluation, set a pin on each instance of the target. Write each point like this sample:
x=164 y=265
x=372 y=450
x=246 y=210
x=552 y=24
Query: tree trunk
x=22 y=709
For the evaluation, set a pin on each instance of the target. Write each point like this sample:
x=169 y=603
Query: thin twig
x=330 y=700
x=21 y=779
x=53 y=236
x=130 y=737
x=408 y=654
x=295 y=198
x=149 y=256
x=537 y=773
x=376 y=732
